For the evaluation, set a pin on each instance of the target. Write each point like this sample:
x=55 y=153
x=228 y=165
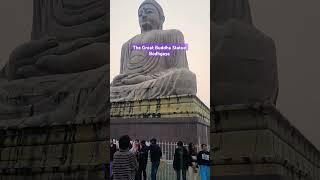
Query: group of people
x=189 y=160
x=129 y=162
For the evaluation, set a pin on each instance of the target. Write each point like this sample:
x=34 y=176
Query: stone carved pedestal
x=260 y=143
x=62 y=135
x=169 y=119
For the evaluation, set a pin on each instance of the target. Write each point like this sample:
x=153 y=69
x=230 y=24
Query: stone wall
x=167 y=119
x=258 y=140
x=56 y=152
x=55 y=127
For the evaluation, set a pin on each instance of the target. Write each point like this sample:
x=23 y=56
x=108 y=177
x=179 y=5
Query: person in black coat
x=155 y=156
x=143 y=160
x=181 y=161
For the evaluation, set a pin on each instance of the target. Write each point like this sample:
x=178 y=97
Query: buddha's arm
x=85 y=58
x=117 y=80
x=24 y=54
x=178 y=59
x=125 y=78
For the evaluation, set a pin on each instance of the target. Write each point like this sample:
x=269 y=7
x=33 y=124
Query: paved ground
x=166 y=171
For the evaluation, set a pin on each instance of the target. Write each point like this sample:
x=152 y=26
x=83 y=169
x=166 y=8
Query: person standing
x=181 y=161
x=192 y=152
x=143 y=160
x=135 y=147
x=135 y=150
x=156 y=154
x=125 y=163
x=203 y=160
x=113 y=150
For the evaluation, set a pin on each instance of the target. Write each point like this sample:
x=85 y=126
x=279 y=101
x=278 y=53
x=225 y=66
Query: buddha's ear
x=162 y=19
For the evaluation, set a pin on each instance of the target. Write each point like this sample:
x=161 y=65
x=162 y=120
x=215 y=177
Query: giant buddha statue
x=59 y=76
x=244 y=59
x=68 y=36
x=145 y=77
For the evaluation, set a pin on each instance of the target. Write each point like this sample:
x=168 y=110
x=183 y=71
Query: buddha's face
x=149 y=18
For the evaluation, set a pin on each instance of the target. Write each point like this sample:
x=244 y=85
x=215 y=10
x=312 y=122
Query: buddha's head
x=151 y=16
x=224 y=10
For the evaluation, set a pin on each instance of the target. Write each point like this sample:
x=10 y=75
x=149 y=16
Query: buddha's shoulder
x=171 y=32
x=154 y=33
x=131 y=40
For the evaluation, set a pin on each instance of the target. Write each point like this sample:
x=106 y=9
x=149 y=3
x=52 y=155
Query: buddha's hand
x=134 y=79
x=117 y=80
x=81 y=57
x=23 y=58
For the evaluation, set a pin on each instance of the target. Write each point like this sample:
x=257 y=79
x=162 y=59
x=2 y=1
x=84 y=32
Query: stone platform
x=55 y=127
x=258 y=142
x=59 y=152
x=169 y=119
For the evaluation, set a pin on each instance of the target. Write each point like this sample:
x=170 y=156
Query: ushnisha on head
x=151 y=16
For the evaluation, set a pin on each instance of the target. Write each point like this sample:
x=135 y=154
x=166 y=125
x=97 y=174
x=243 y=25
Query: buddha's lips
x=144 y=22
x=146 y=26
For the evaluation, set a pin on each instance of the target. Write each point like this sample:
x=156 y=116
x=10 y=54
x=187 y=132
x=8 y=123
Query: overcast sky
x=192 y=18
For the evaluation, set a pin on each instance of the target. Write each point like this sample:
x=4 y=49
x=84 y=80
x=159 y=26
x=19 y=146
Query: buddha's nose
x=144 y=16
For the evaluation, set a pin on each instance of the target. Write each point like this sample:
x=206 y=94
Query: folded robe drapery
x=165 y=75
x=52 y=100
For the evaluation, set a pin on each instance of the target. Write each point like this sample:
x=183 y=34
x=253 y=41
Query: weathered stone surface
x=147 y=77
x=163 y=129
x=255 y=171
x=243 y=73
x=67 y=37
x=78 y=98
x=245 y=64
x=163 y=118
x=172 y=106
x=53 y=95
x=76 y=173
x=71 y=157
x=223 y=10
x=262 y=137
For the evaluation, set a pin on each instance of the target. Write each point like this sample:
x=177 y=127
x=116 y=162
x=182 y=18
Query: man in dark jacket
x=156 y=154
x=143 y=160
x=203 y=160
x=181 y=161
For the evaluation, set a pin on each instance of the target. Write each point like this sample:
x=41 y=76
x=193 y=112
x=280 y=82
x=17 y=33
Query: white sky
x=192 y=18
